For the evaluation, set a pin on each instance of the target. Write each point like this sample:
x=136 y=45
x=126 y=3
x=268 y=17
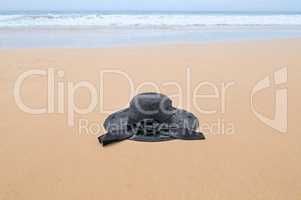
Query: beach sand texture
x=41 y=157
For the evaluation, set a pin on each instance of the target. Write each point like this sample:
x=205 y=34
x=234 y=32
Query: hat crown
x=153 y=106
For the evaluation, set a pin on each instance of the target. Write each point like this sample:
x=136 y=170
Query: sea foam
x=146 y=20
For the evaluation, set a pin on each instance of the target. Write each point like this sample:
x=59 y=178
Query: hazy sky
x=288 y=5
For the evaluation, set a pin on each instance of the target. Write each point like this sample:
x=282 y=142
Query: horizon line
x=144 y=10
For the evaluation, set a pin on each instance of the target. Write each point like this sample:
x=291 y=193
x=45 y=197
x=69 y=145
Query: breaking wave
x=146 y=20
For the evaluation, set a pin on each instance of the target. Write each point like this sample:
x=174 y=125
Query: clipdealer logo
x=57 y=91
x=279 y=121
x=61 y=97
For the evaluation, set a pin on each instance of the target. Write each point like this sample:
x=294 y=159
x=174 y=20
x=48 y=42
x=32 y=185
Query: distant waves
x=159 y=21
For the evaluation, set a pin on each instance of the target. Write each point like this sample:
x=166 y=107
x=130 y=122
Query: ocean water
x=105 y=28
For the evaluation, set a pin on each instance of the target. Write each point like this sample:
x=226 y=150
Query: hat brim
x=180 y=118
x=151 y=138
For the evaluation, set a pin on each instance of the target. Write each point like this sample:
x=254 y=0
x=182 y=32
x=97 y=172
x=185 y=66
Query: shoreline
x=159 y=45
x=90 y=38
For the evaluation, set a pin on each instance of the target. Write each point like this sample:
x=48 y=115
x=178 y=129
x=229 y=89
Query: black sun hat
x=150 y=118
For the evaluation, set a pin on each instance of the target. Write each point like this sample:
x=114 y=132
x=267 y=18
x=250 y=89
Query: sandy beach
x=51 y=156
